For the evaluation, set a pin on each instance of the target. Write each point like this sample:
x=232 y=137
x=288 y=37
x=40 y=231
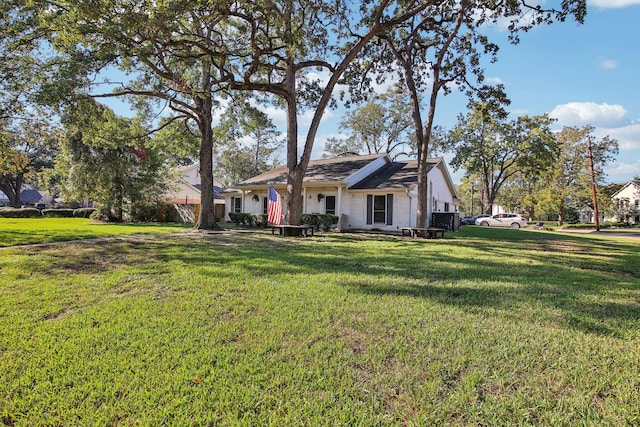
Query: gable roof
x=336 y=169
x=368 y=172
x=394 y=176
x=217 y=191
x=624 y=187
x=30 y=196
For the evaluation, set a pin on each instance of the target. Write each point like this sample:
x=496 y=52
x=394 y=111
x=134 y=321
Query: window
x=380 y=209
x=330 y=205
x=236 y=204
x=446 y=206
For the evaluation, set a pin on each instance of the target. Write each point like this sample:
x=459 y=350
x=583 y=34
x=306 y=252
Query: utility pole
x=471 y=198
x=593 y=185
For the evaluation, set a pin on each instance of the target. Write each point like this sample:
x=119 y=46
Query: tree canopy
x=495 y=149
x=188 y=54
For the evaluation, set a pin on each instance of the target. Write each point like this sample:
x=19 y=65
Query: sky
x=579 y=74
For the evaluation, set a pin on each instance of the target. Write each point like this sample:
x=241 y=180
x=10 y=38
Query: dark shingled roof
x=394 y=176
x=30 y=196
x=217 y=191
x=326 y=170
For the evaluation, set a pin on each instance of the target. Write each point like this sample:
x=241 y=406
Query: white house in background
x=627 y=199
x=365 y=192
x=185 y=192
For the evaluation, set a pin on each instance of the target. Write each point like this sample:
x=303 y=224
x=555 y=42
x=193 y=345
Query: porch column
x=339 y=206
x=304 y=200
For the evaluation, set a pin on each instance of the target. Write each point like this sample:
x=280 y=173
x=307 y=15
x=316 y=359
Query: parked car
x=471 y=220
x=503 y=220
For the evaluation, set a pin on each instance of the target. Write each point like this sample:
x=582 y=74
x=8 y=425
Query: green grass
x=22 y=231
x=486 y=327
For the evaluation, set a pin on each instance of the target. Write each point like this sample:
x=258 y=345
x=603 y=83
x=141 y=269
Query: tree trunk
x=295 y=171
x=204 y=102
x=206 y=217
x=12 y=191
x=422 y=211
x=560 y=215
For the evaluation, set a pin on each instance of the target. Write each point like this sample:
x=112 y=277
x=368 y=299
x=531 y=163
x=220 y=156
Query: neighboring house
x=185 y=193
x=365 y=192
x=4 y=200
x=627 y=201
x=585 y=215
x=35 y=198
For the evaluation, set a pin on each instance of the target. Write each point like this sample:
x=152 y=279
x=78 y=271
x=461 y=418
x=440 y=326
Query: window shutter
x=369 y=209
x=389 y=209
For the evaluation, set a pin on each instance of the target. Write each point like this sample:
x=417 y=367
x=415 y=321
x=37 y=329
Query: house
x=627 y=202
x=585 y=215
x=184 y=194
x=31 y=197
x=365 y=192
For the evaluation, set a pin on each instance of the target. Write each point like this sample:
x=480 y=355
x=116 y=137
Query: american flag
x=274 y=207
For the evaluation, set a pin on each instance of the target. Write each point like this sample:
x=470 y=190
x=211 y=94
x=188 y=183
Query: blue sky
x=579 y=74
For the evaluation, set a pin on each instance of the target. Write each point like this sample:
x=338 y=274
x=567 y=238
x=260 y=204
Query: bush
x=260 y=220
x=310 y=219
x=57 y=213
x=104 y=214
x=326 y=221
x=144 y=213
x=20 y=213
x=83 y=212
x=241 y=218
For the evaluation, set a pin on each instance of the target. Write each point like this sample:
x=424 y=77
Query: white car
x=503 y=220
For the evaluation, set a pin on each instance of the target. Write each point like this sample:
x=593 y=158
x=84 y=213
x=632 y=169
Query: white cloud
x=628 y=137
x=608 y=64
x=494 y=80
x=622 y=171
x=613 y=4
x=589 y=113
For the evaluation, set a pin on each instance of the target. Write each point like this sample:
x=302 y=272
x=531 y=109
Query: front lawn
x=486 y=327
x=23 y=231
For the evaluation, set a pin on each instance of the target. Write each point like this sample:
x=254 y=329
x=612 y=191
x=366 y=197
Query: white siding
x=404 y=211
x=440 y=191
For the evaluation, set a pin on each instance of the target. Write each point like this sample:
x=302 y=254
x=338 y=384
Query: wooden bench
x=431 y=232
x=292 y=230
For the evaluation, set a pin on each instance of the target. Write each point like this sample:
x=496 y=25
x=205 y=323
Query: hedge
x=325 y=221
x=83 y=212
x=260 y=220
x=57 y=213
x=20 y=213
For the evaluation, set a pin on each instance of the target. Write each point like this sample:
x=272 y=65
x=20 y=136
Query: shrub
x=57 y=213
x=325 y=221
x=260 y=220
x=328 y=221
x=241 y=218
x=310 y=219
x=20 y=213
x=83 y=212
x=144 y=212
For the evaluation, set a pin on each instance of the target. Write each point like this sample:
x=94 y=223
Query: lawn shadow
x=552 y=279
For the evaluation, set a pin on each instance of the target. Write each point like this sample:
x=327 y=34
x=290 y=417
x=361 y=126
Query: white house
x=365 y=192
x=185 y=193
x=627 y=200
